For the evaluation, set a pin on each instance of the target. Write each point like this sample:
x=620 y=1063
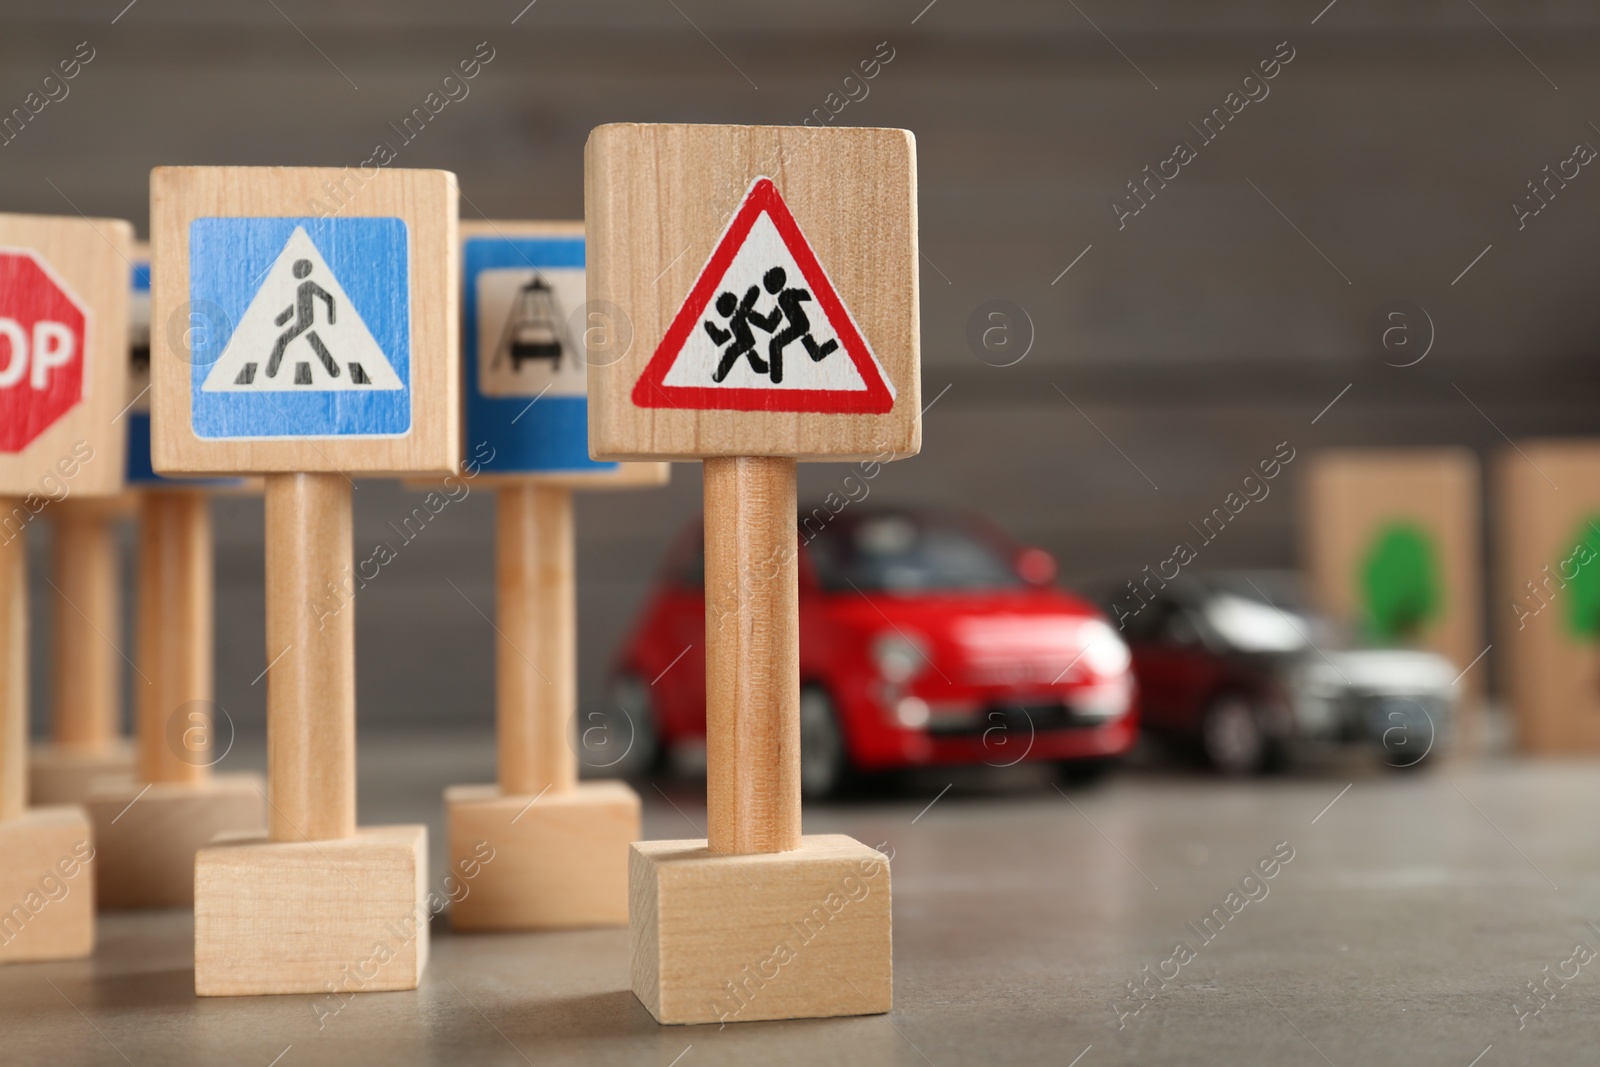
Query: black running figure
x=740 y=314
x=303 y=321
x=798 y=328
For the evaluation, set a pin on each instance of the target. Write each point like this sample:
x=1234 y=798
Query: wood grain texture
x=13 y=671
x=311 y=681
x=86 y=624
x=174 y=688
x=342 y=917
x=1552 y=673
x=59 y=774
x=1353 y=494
x=536 y=654
x=46 y=886
x=560 y=860
x=86 y=627
x=752 y=656
x=790 y=935
x=426 y=200
x=90 y=258
x=622 y=476
x=146 y=836
x=657 y=199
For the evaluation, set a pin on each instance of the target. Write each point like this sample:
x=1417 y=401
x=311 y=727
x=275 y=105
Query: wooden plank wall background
x=1182 y=346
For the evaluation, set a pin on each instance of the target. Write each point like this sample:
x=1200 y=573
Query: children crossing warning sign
x=763 y=328
x=307 y=327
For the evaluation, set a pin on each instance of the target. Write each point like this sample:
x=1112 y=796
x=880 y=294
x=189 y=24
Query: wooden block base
x=146 y=837
x=344 y=916
x=46 y=886
x=63 y=774
x=558 y=861
x=782 y=935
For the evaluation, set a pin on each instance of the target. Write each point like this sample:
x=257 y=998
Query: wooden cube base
x=785 y=935
x=63 y=774
x=46 y=886
x=146 y=837
x=345 y=916
x=557 y=861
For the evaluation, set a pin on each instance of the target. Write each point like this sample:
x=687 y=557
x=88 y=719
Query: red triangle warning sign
x=763 y=328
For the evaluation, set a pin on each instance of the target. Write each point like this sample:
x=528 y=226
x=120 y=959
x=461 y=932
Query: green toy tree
x=1400 y=582
x=1583 y=588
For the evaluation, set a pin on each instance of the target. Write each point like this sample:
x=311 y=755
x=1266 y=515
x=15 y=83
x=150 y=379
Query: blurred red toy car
x=925 y=638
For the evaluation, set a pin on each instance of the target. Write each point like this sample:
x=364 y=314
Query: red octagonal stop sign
x=42 y=341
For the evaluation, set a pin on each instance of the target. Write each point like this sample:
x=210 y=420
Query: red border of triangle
x=651 y=392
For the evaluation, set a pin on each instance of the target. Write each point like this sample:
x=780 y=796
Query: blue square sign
x=527 y=381
x=308 y=327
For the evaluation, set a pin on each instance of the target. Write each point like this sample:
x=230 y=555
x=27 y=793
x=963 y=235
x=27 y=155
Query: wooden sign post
x=149 y=826
x=769 y=277
x=321 y=345
x=561 y=847
x=86 y=746
x=63 y=369
x=1391 y=543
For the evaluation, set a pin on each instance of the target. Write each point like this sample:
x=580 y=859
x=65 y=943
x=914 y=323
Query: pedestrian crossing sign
x=306 y=327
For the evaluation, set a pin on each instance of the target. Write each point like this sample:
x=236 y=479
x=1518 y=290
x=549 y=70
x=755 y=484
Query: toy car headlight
x=1104 y=652
x=899 y=656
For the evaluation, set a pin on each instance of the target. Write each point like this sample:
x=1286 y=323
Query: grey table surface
x=1406 y=928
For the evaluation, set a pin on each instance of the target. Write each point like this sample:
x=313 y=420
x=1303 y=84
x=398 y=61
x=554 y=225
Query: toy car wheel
x=1233 y=738
x=824 y=761
x=625 y=721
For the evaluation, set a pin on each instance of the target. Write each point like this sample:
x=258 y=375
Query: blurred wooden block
x=1355 y=500
x=146 y=837
x=560 y=860
x=1543 y=615
x=46 y=886
x=780 y=935
x=66 y=774
x=347 y=915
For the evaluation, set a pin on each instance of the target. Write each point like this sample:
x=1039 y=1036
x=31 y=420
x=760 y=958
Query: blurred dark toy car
x=925 y=638
x=1235 y=663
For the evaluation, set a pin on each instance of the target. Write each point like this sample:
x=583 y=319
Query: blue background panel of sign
x=526 y=379
x=232 y=259
x=140 y=472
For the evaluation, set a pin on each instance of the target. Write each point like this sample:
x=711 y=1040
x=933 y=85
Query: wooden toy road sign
x=528 y=337
x=768 y=278
x=63 y=317
x=86 y=694
x=316 y=346
x=305 y=342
